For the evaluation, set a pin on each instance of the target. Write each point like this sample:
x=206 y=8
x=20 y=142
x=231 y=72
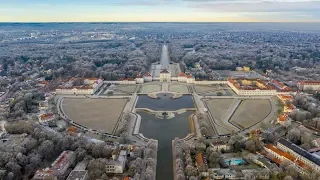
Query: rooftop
x=147 y=74
x=287 y=156
x=299 y=151
x=199 y=159
x=309 y=82
x=77 y=175
x=164 y=71
x=182 y=74
x=249 y=84
x=62 y=161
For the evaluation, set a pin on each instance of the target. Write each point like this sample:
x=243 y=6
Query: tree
x=193 y=178
x=46 y=149
x=294 y=135
x=251 y=145
x=213 y=159
x=203 y=131
x=14 y=168
x=288 y=178
x=190 y=170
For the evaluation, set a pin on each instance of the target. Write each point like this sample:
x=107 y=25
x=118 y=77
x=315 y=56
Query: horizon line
x=159 y=22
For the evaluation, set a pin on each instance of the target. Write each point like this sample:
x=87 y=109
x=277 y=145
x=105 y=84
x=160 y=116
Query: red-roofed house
x=280 y=156
x=147 y=77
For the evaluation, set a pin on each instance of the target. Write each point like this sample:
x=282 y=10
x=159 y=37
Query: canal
x=164 y=130
x=165 y=102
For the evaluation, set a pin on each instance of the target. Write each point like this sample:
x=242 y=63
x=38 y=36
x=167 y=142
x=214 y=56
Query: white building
x=86 y=86
x=299 y=153
x=117 y=166
x=78 y=175
x=147 y=77
x=139 y=79
x=182 y=77
x=165 y=76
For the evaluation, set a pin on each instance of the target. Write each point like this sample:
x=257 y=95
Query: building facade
x=80 y=86
x=251 y=87
x=309 y=85
x=299 y=153
x=117 y=166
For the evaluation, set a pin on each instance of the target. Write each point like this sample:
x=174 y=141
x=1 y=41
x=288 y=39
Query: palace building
x=251 y=87
x=309 y=85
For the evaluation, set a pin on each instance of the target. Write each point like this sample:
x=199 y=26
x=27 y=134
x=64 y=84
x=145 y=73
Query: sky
x=159 y=10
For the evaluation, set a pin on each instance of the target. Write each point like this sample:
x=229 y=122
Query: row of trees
x=123 y=127
x=204 y=127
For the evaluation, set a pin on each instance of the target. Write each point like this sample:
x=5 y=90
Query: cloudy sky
x=160 y=10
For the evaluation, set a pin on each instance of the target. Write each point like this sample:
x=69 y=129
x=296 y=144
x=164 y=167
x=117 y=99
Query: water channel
x=164 y=130
x=165 y=102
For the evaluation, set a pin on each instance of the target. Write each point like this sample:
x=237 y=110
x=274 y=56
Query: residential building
x=299 y=153
x=78 y=175
x=284 y=119
x=45 y=118
x=309 y=85
x=45 y=174
x=62 y=163
x=221 y=145
x=278 y=156
x=223 y=173
x=200 y=160
x=117 y=165
x=263 y=162
x=285 y=98
x=280 y=86
x=256 y=173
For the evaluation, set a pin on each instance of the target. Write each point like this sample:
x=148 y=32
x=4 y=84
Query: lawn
x=125 y=88
x=183 y=89
x=97 y=114
x=251 y=112
x=148 y=88
x=206 y=88
x=218 y=109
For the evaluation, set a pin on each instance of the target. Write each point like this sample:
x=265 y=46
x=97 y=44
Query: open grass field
x=251 y=112
x=98 y=114
x=205 y=88
x=125 y=88
x=219 y=107
x=179 y=88
x=148 y=88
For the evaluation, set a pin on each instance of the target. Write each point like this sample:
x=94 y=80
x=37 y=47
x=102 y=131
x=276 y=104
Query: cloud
x=254 y=6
